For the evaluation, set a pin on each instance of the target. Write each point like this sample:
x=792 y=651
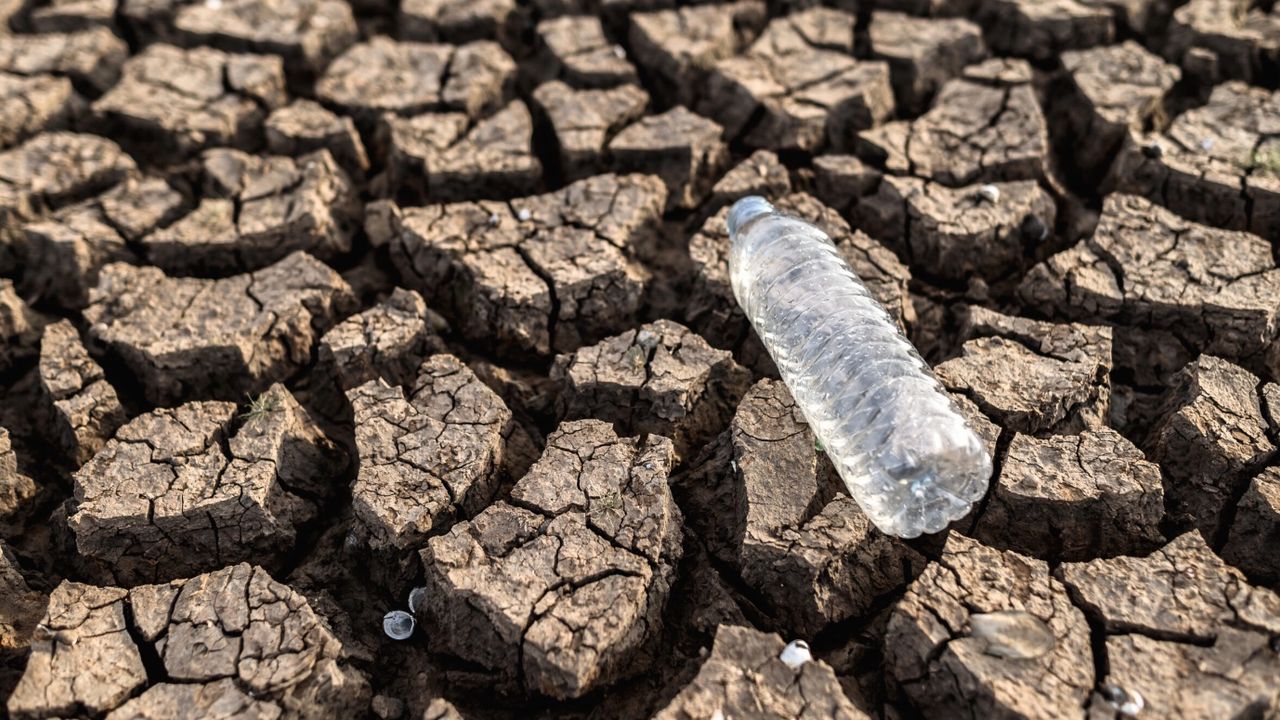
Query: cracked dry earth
x=314 y=310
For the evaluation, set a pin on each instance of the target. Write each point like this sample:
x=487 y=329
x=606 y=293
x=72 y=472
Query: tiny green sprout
x=611 y=501
x=259 y=406
x=1266 y=159
x=635 y=356
x=817 y=445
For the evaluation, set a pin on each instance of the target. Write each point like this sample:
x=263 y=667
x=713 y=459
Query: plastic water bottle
x=908 y=457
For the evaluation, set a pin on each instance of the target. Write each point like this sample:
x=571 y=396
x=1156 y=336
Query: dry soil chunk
x=388 y=341
x=1041 y=29
x=232 y=643
x=305 y=33
x=1255 y=531
x=64 y=253
x=679 y=45
x=660 y=378
x=430 y=454
x=30 y=105
x=840 y=181
x=176 y=102
x=305 y=126
x=443 y=157
x=83 y=408
x=984 y=127
x=19 y=327
x=90 y=58
x=760 y=174
x=22 y=608
x=1146 y=267
x=55 y=169
x=257 y=209
x=1218 y=164
x=226 y=337
x=1185 y=631
x=84 y=661
x=56 y=16
x=744 y=677
x=769 y=504
x=798 y=88
x=560 y=587
x=584 y=121
x=577 y=52
x=1227 y=39
x=1074 y=497
x=410 y=78
x=991 y=634
x=923 y=53
x=182 y=490
x=16 y=489
x=682 y=148
x=714 y=313
x=957 y=232
x=539 y=274
x=1114 y=91
x=1033 y=376
x=1210 y=437
x=459 y=21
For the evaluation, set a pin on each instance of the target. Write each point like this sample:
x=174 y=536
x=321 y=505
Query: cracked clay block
x=798 y=87
x=661 y=378
x=1184 y=630
x=256 y=210
x=686 y=150
x=678 y=46
x=923 y=53
x=82 y=408
x=19 y=327
x=184 y=337
x=576 y=51
x=540 y=274
x=409 y=78
x=445 y=158
x=1255 y=532
x=307 y=34
x=1218 y=164
x=65 y=252
x=16 y=489
x=1041 y=29
x=31 y=105
x=793 y=535
x=955 y=232
x=744 y=678
x=558 y=588
x=187 y=489
x=221 y=100
x=713 y=311
x=1073 y=497
x=389 y=341
x=1210 y=436
x=1225 y=39
x=230 y=643
x=1147 y=267
x=584 y=121
x=91 y=58
x=986 y=126
x=946 y=668
x=1033 y=376
x=431 y=453
x=304 y=126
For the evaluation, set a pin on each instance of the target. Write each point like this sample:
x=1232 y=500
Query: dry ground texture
x=313 y=310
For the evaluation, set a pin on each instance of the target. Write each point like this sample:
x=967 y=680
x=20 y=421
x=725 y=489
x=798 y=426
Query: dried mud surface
x=316 y=310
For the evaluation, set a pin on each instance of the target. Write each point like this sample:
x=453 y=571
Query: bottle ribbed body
x=908 y=457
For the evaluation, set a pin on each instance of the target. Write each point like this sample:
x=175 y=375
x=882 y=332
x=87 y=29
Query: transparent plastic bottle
x=908 y=457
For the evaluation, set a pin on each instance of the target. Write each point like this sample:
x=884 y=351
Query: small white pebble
x=1127 y=703
x=734 y=464
x=398 y=625
x=495 y=219
x=416 y=596
x=762 y=170
x=1206 y=144
x=990 y=193
x=523 y=214
x=619 y=52
x=647 y=339
x=795 y=654
x=717 y=715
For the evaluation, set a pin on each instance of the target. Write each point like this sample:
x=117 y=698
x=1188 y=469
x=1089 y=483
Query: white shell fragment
x=1012 y=634
x=795 y=654
x=1126 y=703
x=416 y=596
x=990 y=193
x=398 y=625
